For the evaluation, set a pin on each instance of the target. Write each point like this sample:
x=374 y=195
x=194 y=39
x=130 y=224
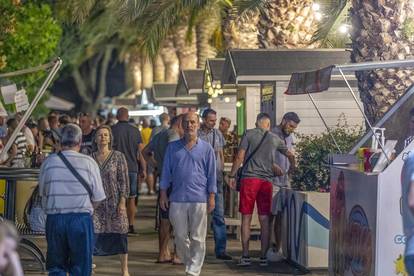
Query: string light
x=209 y=100
x=226 y=99
x=238 y=104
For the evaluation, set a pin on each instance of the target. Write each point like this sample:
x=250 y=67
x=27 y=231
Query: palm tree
x=287 y=24
x=185 y=45
x=158 y=69
x=381 y=31
x=170 y=59
x=378 y=31
x=240 y=32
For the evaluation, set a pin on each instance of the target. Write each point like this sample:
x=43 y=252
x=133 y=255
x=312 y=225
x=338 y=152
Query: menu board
x=268 y=100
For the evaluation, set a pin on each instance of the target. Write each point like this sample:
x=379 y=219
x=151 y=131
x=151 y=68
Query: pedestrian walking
x=110 y=218
x=88 y=133
x=190 y=170
x=69 y=183
x=284 y=131
x=127 y=139
x=257 y=153
x=154 y=153
x=213 y=136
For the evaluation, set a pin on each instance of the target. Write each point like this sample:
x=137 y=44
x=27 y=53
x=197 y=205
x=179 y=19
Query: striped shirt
x=21 y=143
x=60 y=190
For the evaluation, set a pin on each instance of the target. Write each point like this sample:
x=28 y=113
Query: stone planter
x=305 y=228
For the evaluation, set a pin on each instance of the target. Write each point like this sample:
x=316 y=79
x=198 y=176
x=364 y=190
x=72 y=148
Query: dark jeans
x=409 y=264
x=69 y=244
x=217 y=222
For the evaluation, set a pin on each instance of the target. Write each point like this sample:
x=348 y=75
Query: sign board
x=268 y=100
x=8 y=93
x=21 y=100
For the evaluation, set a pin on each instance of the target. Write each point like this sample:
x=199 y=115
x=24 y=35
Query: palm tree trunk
x=186 y=49
x=210 y=19
x=134 y=70
x=287 y=24
x=240 y=32
x=378 y=33
x=147 y=74
x=170 y=59
x=159 y=69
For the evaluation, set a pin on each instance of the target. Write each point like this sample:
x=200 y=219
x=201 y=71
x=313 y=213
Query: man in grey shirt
x=213 y=136
x=288 y=125
x=256 y=180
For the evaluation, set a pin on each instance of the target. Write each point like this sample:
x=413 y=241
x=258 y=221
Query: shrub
x=312 y=174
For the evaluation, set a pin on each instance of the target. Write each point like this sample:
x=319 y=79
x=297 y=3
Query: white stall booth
x=365 y=229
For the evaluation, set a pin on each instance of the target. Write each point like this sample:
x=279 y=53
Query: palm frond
x=327 y=27
x=244 y=7
x=128 y=11
x=80 y=9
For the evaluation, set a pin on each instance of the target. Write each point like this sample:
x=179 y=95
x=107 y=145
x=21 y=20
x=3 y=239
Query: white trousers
x=189 y=221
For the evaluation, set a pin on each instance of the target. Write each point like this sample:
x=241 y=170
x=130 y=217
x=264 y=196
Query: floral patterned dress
x=111 y=227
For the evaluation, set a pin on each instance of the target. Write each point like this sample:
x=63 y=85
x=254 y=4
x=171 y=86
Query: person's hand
x=13 y=150
x=211 y=203
x=15 y=265
x=122 y=206
x=277 y=170
x=143 y=175
x=231 y=182
x=164 y=200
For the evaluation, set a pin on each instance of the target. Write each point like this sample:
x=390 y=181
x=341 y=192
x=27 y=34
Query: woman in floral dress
x=110 y=217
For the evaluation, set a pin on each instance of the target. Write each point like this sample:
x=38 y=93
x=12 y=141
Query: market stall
x=190 y=83
x=365 y=229
x=262 y=76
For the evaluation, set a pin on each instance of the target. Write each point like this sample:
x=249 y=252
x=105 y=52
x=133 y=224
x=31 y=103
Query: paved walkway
x=143 y=253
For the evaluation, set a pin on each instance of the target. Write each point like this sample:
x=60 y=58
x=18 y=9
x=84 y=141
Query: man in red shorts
x=257 y=152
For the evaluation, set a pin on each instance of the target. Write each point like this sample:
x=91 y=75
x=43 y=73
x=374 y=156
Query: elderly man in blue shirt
x=190 y=170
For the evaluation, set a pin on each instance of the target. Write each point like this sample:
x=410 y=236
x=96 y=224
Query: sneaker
x=224 y=257
x=245 y=261
x=274 y=256
x=263 y=261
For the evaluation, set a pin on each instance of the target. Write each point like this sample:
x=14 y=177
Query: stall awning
x=213 y=74
x=320 y=80
x=190 y=82
x=259 y=65
x=56 y=103
x=164 y=94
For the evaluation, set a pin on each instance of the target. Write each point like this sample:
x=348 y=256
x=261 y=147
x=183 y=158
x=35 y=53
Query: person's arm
x=165 y=181
x=211 y=173
x=238 y=160
x=410 y=197
x=98 y=192
x=123 y=180
x=292 y=160
x=141 y=160
x=148 y=154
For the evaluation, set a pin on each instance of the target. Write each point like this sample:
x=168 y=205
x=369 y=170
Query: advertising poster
x=268 y=100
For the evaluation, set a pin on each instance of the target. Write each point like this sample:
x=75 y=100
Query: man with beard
x=289 y=123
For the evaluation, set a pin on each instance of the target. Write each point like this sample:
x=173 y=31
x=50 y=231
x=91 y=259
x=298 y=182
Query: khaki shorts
x=277 y=200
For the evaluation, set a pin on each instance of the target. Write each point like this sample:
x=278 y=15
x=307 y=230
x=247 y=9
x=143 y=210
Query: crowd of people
x=88 y=183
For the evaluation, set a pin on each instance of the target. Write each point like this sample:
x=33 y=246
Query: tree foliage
x=312 y=173
x=29 y=37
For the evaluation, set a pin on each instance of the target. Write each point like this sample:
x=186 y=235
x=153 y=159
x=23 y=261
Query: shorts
x=277 y=200
x=255 y=190
x=150 y=168
x=133 y=184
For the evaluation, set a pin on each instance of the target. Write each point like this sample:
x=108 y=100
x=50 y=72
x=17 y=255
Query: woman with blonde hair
x=110 y=216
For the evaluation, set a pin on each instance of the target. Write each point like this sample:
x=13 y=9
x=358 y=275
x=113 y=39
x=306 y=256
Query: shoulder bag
x=76 y=174
x=241 y=169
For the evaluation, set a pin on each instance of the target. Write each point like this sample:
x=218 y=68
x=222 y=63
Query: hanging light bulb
x=318 y=16
x=210 y=100
x=226 y=99
x=220 y=91
x=210 y=91
x=218 y=86
x=238 y=104
x=215 y=95
x=208 y=83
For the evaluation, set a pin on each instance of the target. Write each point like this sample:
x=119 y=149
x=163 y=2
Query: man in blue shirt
x=190 y=170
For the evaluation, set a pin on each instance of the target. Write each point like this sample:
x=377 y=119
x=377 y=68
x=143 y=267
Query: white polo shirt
x=61 y=191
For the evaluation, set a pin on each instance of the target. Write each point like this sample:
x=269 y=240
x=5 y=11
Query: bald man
x=189 y=170
x=127 y=139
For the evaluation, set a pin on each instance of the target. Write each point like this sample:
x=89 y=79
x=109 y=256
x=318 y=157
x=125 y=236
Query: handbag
x=76 y=174
x=239 y=173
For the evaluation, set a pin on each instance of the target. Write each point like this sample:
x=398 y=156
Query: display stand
x=366 y=235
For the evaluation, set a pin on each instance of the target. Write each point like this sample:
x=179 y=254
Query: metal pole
x=324 y=122
x=363 y=113
x=41 y=91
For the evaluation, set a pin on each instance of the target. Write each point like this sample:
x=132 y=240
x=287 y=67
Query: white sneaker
x=274 y=256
